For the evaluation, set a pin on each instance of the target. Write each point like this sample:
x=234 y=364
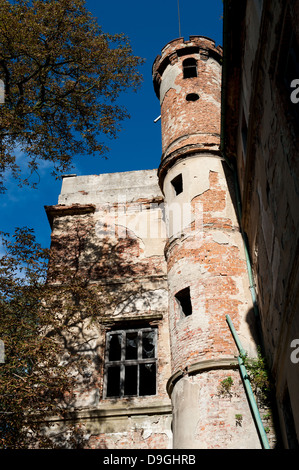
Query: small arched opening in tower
x=183 y=299
x=189 y=68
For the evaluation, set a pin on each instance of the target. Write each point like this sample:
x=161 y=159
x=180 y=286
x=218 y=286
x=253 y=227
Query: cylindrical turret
x=207 y=275
x=187 y=81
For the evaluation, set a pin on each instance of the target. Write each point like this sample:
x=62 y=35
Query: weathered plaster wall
x=210 y=418
x=204 y=252
x=209 y=257
x=109 y=230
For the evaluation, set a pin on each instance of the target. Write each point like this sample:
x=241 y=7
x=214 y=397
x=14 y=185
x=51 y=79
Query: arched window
x=189 y=68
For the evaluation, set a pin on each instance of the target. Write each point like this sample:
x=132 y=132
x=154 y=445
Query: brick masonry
x=206 y=254
x=108 y=232
x=139 y=252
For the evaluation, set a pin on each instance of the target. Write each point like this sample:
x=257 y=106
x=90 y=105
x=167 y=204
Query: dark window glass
x=130 y=363
x=147 y=379
x=130 y=380
x=113 y=381
x=189 y=68
x=115 y=348
x=132 y=345
x=148 y=344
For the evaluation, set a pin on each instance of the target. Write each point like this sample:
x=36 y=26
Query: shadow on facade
x=88 y=277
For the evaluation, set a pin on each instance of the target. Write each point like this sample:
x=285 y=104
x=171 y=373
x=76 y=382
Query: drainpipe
x=250 y=395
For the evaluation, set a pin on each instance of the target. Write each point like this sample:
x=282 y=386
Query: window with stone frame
x=130 y=363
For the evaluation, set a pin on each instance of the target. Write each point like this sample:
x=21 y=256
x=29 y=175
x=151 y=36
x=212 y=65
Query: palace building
x=195 y=262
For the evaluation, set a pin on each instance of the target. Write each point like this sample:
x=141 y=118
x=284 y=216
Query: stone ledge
x=201 y=366
x=123 y=318
x=62 y=210
x=187 y=151
x=114 y=412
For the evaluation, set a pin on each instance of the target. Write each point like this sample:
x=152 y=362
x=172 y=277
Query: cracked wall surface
x=109 y=229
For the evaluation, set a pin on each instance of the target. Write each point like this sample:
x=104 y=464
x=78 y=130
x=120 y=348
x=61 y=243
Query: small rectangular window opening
x=189 y=68
x=177 y=184
x=184 y=300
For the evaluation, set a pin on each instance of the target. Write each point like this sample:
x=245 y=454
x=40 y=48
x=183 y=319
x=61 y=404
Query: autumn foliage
x=62 y=76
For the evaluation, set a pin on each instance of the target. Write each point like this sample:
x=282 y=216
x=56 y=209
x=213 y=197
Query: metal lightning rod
x=179 y=19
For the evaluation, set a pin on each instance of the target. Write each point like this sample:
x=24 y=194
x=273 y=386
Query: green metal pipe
x=250 y=395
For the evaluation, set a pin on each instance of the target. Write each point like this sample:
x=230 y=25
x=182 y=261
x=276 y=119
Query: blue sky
x=150 y=25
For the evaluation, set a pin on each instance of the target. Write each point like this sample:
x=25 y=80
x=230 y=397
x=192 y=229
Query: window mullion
x=122 y=365
x=122 y=380
x=139 y=356
x=125 y=365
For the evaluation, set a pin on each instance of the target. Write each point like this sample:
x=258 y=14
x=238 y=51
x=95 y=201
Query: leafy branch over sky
x=62 y=76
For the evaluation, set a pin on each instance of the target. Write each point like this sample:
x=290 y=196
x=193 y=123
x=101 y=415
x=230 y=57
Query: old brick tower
x=206 y=268
x=163 y=252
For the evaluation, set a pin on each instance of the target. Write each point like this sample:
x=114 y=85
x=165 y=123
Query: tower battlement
x=187 y=81
x=178 y=48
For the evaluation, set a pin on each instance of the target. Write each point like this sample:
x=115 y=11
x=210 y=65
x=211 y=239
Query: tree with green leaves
x=36 y=322
x=62 y=76
x=22 y=279
x=52 y=303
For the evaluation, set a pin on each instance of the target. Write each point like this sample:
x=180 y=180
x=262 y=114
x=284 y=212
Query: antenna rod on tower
x=179 y=18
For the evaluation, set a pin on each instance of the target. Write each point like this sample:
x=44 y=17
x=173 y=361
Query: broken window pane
x=147 y=384
x=130 y=363
x=130 y=380
x=131 y=345
x=148 y=344
x=113 y=381
x=115 y=348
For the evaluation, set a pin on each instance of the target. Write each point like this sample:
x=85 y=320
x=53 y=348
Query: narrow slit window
x=184 y=301
x=130 y=364
x=177 y=184
x=189 y=68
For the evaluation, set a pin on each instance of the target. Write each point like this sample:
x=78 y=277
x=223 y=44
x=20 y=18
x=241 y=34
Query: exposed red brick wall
x=214 y=271
x=190 y=122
